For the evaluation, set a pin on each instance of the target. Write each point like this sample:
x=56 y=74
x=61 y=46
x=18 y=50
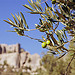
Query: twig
x=33 y=38
x=37 y=28
x=69 y=64
x=56 y=27
x=43 y=2
x=62 y=55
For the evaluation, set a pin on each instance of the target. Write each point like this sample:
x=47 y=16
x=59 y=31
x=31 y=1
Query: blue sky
x=14 y=6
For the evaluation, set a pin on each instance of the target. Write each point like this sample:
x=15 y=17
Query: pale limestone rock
x=5 y=70
x=10 y=58
x=5 y=66
x=23 y=70
x=34 y=64
x=13 y=70
x=1 y=66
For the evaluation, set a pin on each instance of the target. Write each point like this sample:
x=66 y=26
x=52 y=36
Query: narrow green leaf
x=67 y=28
x=60 y=15
x=43 y=38
x=14 y=18
x=46 y=4
x=47 y=13
x=53 y=39
x=59 y=35
x=49 y=25
x=31 y=1
x=39 y=8
x=41 y=21
x=36 y=12
x=18 y=18
x=64 y=33
x=53 y=48
x=21 y=21
x=10 y=23
x=43 y=17
x=31 y=4
x=39 y=0
x=35 y=7
x=28 y=7
x=62 y=56
x=51 y=13
x=24 y=20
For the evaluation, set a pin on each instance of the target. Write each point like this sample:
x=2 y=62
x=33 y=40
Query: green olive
x=53 y=1
x=48 y=42
x=44 y=45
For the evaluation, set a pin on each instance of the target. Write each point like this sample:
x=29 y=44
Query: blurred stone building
x=17 y=57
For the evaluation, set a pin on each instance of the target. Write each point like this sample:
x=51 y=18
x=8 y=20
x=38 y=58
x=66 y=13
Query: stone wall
x=10 y=58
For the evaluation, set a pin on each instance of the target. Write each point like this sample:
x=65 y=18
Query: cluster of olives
x=44 y=44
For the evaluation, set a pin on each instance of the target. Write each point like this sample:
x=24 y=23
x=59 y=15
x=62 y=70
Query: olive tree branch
x=32 y=38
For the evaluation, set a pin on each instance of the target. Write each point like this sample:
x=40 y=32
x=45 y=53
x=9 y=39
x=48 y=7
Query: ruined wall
x=4 y=48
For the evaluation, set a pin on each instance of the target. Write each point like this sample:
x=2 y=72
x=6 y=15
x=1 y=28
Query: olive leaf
x=39 y=7
x=24 y=20
x=14 y=18
x=60 y=15
x=35 y=12
x=28 y=7
x=53 y=48
x=31 y=4
x=10 y=23
x=46 y=4
x=59 y=35
x=53 y=39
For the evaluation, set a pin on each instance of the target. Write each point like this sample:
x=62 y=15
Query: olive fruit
x=53 y=1
x=44 y=44
x=48 y=42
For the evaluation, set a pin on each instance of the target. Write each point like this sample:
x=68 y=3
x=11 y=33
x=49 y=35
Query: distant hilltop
x=17 y=57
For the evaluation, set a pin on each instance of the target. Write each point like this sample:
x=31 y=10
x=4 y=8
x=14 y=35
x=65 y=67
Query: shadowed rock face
x=0 y=50
x=30 y=60
x=18 y=57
